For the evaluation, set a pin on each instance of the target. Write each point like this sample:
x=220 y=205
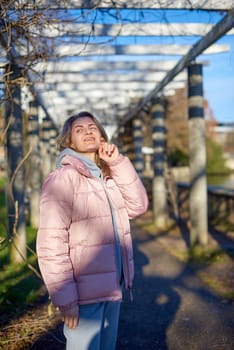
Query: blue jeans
x=97 y=328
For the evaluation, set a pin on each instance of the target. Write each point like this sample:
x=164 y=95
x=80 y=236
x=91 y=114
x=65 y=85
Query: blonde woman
x=84 y=244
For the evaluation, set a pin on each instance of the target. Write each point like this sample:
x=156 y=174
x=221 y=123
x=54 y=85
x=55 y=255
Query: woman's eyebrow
x=82 y=126
x=78 y=126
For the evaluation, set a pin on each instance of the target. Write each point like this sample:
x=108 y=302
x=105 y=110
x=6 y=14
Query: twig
x=16 y=171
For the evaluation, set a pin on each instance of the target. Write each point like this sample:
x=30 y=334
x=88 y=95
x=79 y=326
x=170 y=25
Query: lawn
x=26 y=314
x=19 y=285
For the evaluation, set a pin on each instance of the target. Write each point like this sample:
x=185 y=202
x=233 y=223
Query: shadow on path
x=172 y=309
x=144 y=322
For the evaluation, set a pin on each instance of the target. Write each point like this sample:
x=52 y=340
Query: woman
x=84 y=244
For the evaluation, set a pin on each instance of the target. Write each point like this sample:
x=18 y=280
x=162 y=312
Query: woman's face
x=85 y=136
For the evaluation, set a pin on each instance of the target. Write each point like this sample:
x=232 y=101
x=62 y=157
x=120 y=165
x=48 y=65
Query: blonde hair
x=64 y=138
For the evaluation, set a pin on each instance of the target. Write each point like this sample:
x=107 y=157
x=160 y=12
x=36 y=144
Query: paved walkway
x=172 y=309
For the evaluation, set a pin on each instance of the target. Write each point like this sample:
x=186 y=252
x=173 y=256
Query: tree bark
x=15 y=188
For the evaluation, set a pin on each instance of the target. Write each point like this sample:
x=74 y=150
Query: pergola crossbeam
x=89 y=86
x=100 y=66
x=79 y=30
x=112 y=77
x=223 y=5
x=100 y=50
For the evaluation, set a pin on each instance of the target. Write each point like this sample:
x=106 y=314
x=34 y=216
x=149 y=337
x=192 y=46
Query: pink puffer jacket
x=75 y=241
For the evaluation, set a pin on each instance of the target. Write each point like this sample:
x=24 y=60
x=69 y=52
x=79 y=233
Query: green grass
x=200 y=254
x=2 y=205
x=3 y=231
x=19 y=286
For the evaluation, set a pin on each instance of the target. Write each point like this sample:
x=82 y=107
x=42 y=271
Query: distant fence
x=220 y=202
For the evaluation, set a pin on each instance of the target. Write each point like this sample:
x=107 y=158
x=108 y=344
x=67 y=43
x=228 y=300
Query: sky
x=218 y=82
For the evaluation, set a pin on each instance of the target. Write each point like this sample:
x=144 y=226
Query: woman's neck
x=91 y=156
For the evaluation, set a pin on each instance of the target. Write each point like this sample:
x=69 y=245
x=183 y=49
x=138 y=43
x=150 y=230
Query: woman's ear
x=102 y=140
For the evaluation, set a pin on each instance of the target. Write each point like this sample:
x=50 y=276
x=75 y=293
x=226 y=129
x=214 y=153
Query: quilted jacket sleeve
x=52 y=238
x=130 y=185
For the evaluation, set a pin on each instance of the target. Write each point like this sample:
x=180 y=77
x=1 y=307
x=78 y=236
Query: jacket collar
x=84 y=165
x=76 y=164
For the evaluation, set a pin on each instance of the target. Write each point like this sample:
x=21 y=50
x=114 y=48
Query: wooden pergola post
x=197 y=157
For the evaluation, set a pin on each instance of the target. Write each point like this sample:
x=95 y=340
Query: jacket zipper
x=126 y=270
x=117 y=240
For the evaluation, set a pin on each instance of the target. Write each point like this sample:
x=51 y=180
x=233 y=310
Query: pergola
x=113 y=59
x=101 y=52
x=93 y=70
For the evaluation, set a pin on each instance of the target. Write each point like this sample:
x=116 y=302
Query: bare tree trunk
x=34 y=165
x=15 y=170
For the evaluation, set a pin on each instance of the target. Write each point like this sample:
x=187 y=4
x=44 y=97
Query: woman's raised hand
x=108 y=152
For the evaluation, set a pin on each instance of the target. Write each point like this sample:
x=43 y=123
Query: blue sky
x=218 y=75
x=219 y=83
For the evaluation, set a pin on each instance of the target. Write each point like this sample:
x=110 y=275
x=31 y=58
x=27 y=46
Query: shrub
x=215 y=158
